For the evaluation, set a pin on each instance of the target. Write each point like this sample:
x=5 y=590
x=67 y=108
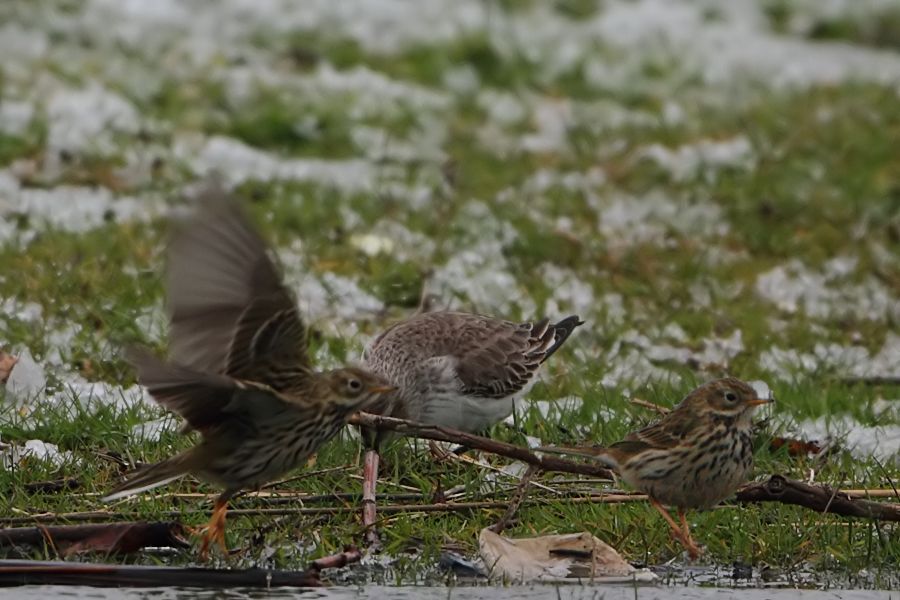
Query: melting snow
x=34 y=450
x=79 y=209
x=152 y=430
x=793 y=287
x=82 y=120
x=881 y=442
x=238 y=162
x=704 y=158
x=27 y=380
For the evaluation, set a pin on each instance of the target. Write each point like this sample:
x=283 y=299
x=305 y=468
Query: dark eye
x=731 y=396
x=354 y=385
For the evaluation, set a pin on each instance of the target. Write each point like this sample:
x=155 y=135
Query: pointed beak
x=760 y=401
x=383 y=389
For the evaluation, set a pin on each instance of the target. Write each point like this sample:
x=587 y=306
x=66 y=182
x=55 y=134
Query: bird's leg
x=215 y=530
x=689 y=543
x=665 y=513
x=370 y=479
x=677 y=530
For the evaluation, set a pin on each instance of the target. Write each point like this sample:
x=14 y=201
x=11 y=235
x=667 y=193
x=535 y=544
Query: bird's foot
x=214 y=531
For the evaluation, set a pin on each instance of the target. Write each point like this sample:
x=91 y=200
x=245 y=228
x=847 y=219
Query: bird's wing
x=204 y=400
x=666 y=433
x=495 y=358
x=229 y=310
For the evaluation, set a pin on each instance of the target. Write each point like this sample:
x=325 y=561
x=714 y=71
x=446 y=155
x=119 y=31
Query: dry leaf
x=7 y=362
x=556 y=558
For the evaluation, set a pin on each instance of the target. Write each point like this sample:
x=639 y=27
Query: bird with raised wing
x=238 y=369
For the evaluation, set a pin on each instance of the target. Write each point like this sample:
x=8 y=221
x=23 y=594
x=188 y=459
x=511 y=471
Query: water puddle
x=535 y=592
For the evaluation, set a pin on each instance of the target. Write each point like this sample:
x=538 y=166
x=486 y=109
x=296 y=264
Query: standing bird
x=694 y=457
x=457 y=370
x=238 y=369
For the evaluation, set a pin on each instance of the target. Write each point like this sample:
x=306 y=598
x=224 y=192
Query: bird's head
x=728 y=397
x=355 y=389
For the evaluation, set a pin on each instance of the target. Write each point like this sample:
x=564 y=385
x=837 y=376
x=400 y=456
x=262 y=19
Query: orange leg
x=681 y=533
x=689 y=543
x=215 y=530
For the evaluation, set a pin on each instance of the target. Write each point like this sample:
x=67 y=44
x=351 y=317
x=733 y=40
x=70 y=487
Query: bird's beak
x=383 y=389
x=760 y=401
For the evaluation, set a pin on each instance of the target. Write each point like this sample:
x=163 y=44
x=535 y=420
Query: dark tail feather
x=150 y=477
x=563 y=330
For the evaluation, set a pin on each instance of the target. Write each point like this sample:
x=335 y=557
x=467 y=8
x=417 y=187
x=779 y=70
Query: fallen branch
x=107 y=537
x=445 y=434
x=817 y=497
x=28 y=572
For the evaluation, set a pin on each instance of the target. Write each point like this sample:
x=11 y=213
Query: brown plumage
x=238 y=369
x=694 y=457
x=461 y=370
x=457 y=370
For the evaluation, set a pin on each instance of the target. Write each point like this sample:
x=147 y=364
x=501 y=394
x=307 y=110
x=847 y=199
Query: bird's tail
x=598 y=453
x=562 y=331
x=150 y=477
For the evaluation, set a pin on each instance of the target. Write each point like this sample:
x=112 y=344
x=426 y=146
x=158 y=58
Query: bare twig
x=445 y=434
x=516 y=501
x=351 y=554
x=651 y=405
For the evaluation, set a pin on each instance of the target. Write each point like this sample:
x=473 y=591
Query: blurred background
x=713 y=186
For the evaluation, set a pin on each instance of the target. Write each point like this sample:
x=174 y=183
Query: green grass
x=824 y=183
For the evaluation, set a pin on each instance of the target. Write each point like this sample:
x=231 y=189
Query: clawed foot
x=214 y=531
x=682 y=532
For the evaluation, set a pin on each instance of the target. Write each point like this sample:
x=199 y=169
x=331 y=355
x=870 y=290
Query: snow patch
x=237 y=162
x=881 y=442
x=702 y=159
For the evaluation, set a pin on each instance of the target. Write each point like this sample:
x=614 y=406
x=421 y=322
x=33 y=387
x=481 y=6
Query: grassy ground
x=668 y=209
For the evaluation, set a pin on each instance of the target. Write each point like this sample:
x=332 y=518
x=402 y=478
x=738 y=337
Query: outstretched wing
x=205 y=400
x=229 y=310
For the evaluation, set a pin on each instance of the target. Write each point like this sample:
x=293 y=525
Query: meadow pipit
x=238 y=369
x=694 y=457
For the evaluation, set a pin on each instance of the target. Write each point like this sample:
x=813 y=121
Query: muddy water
x=536 y=592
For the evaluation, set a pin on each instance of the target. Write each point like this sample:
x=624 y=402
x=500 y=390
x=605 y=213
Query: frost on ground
x=109 y=132
x=881 y=442
x=14 y=456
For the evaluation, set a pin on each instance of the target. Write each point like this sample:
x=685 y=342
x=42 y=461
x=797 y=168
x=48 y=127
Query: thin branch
x=516 y=501
x=651 y=405
x=445 y=434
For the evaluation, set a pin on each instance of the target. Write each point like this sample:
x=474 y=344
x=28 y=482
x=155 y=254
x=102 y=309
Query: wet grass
x=823 y=183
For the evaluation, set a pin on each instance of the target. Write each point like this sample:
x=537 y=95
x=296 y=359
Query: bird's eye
x=731 y=396
x=354 y=385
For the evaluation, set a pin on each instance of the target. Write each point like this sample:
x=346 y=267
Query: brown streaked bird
x=238 y=369
x=457 y=370
x=693 y=458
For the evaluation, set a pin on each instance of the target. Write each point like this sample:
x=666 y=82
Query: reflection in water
x=535 y=592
